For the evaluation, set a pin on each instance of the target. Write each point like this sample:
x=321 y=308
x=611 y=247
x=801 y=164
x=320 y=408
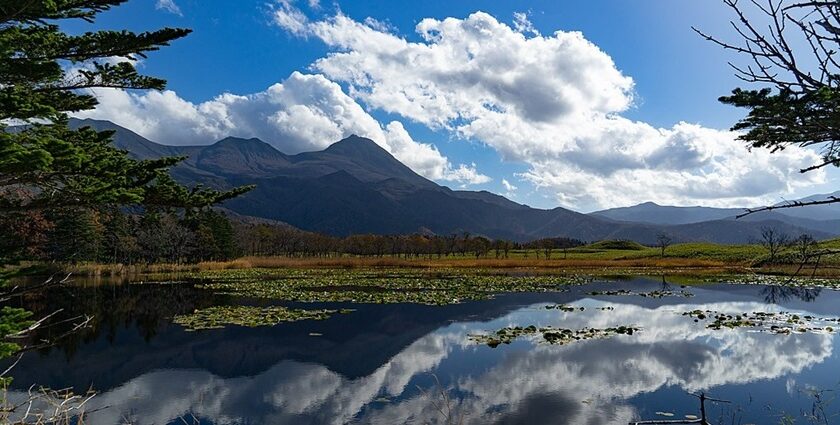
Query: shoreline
x=642 y=266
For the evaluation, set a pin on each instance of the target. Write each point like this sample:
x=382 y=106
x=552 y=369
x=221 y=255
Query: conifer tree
x=46 y=74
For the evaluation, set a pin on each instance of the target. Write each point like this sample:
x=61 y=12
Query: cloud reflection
x=581 y=383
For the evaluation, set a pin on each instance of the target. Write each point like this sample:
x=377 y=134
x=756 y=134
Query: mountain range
x=355 y=186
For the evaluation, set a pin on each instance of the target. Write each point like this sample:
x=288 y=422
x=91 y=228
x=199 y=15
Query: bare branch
x=791 y=204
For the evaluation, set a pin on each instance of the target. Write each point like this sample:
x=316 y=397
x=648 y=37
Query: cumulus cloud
x=169 y=6
x=303 y=113
x=554 y=102
x=522 y=24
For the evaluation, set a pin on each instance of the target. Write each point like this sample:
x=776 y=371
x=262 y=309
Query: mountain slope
x=355 y=186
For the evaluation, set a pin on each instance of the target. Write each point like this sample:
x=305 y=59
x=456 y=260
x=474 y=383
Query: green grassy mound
x=622 y=245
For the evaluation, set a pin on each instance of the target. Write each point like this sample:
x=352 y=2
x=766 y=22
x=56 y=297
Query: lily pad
x=248 y=316
x=374 y=286
x=549 y=335
x=783 y=323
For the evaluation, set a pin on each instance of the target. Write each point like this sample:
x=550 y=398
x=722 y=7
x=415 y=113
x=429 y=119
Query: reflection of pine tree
x=115 y=309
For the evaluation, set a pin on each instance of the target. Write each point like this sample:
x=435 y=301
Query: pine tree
x=45 y=165
x=77 y=235
x=791 y=49
x=215 y=240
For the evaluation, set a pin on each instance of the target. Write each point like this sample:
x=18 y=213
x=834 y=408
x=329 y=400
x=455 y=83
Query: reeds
x=115 y=270
x=44 y=406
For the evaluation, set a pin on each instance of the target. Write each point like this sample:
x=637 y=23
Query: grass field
x=601 y=257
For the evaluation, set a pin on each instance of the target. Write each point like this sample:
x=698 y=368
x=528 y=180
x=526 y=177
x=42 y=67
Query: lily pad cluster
x=564 y=308
x=803 y=281
x=378 y=285
x=221 y=316
x=651 y=294
x=775 y=322
x=549 y=335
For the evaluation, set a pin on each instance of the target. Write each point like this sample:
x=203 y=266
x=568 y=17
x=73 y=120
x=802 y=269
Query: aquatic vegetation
x=777 y=280
x=564 y=308
x=549 y=335
x=249 y=316
x=651 y=294
x=615 y=292
x=439 y=287
x=775 y=322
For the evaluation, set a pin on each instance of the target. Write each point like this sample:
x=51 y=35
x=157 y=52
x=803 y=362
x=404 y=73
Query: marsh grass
x=597 y=258
x=44 y=406
x=388 y=262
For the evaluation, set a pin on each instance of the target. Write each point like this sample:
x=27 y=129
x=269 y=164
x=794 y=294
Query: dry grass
x=686 y=258
x=825 y=271
x=486 y=263
x=106 y=270
x=44 y=407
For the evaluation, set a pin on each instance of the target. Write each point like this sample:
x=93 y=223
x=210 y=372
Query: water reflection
x=592 y=381
x=781 y=294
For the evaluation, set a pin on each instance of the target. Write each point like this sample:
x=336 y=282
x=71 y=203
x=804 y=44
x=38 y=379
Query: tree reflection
x=112 y=307
x=779 y=294
x=582 y=383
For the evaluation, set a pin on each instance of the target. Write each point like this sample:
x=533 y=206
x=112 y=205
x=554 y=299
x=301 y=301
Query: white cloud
x=554 y=102
x=508 y=186
x=522 y=24
x=303 y=113
x=290 y=18
x=169 y=6
x=381 y=26
x=466 y=174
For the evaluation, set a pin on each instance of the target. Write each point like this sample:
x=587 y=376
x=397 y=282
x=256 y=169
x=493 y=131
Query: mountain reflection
x=581 y=383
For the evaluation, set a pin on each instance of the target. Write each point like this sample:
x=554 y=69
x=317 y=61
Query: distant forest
x=115 y=236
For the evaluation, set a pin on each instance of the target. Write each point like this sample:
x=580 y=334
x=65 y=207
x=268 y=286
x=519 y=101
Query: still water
x=398 y=363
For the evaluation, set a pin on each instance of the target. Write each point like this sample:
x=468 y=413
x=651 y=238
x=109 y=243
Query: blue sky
x=243 y=48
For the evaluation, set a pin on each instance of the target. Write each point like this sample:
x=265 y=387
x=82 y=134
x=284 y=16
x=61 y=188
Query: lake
x=410 y=363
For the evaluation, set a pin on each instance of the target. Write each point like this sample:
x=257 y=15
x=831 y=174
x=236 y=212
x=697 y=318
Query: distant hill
x=819 y=219
x=355 y=186
x=815 y=212
x=650 y=212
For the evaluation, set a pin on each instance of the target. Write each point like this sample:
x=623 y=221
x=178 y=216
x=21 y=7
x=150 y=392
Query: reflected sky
x=428 y=371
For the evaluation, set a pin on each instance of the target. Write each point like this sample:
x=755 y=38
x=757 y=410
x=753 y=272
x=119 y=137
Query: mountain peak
x=354 y=144
x=234 y=155
x=253 y=144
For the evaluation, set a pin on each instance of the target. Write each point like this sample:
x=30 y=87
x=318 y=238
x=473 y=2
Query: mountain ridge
x=356 y=186
x=810 y=218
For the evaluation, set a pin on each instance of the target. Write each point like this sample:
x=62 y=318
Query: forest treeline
x=115 y=236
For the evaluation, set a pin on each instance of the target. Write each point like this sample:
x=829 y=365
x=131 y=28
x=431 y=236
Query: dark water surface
x=397 y=363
